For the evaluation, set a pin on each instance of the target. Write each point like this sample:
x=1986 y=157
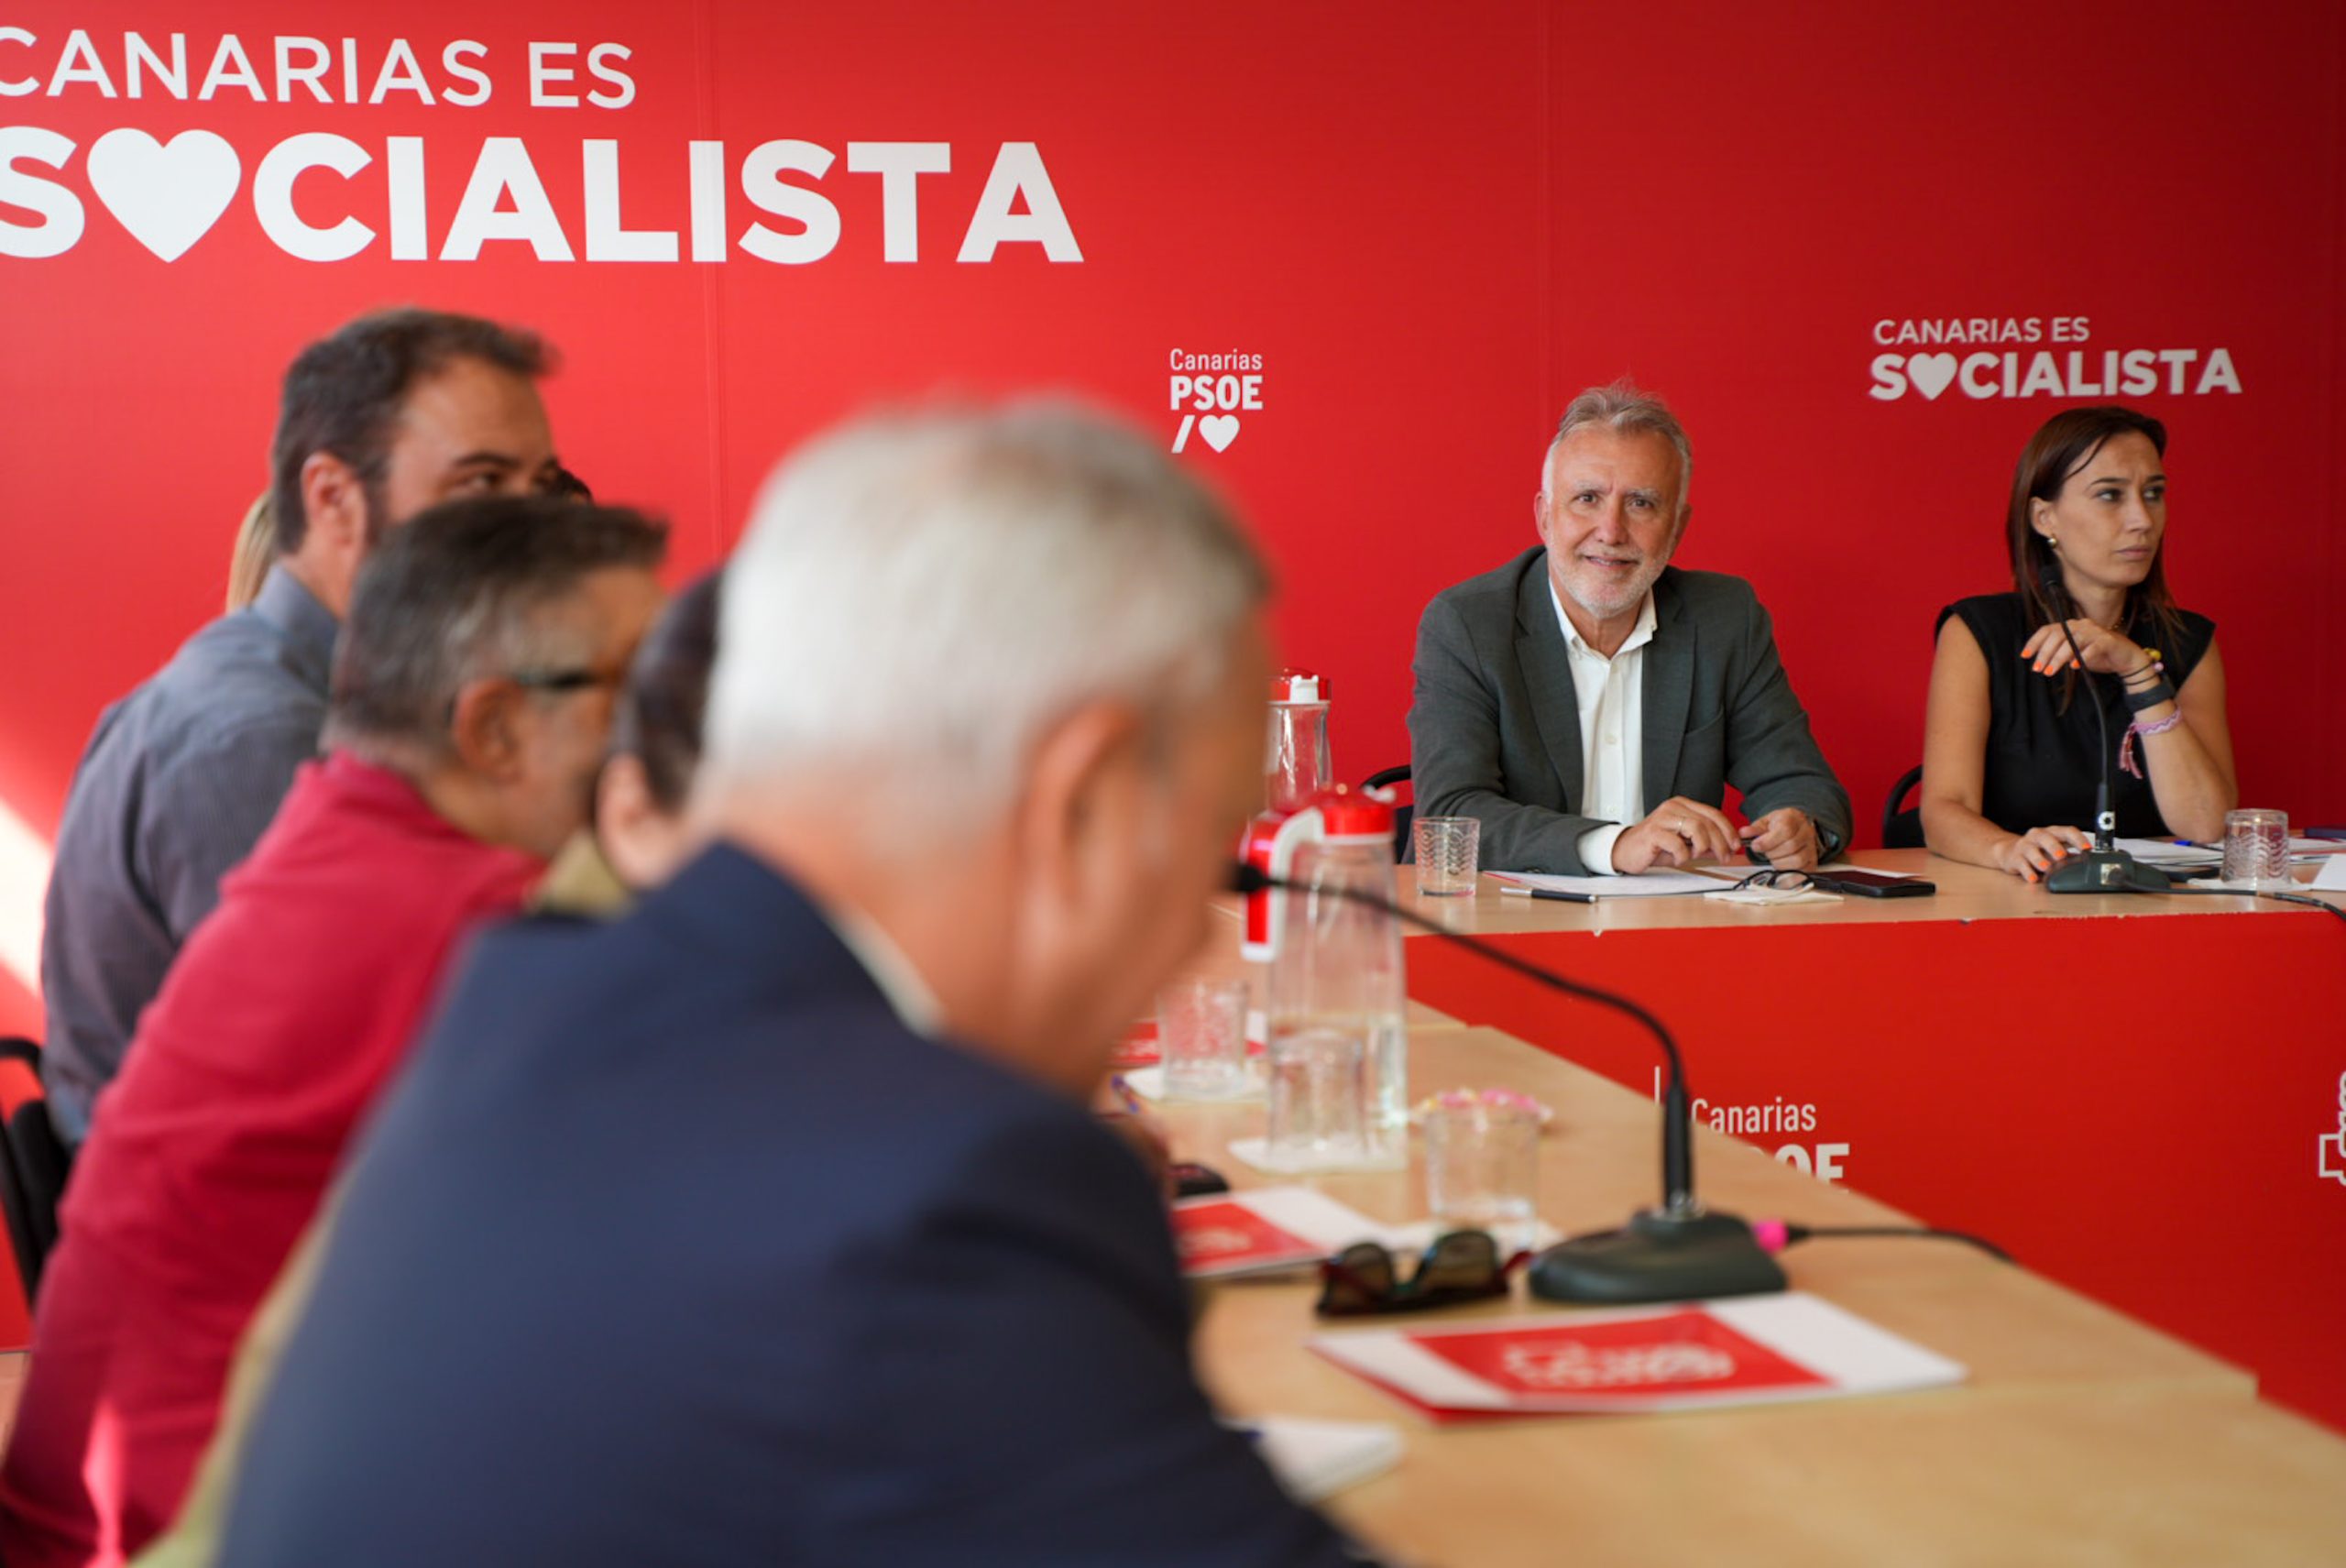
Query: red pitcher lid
x=1348 y=813
x=1293 y=684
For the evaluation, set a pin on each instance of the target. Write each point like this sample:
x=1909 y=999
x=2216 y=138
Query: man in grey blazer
x=1589 y=703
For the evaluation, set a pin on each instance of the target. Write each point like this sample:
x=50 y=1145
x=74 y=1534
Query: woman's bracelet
x=2153 y=665
x=2126 y=747
x=2140 y=697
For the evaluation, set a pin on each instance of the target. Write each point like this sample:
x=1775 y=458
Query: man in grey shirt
x=1589 y=703
x=393 y=413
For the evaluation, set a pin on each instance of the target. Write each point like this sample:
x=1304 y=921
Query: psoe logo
x=1208 y=390
x=1973 y=355
x=2329 y=1152
x=1765 y=1122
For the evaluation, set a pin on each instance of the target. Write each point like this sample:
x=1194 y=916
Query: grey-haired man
x=1589 y=703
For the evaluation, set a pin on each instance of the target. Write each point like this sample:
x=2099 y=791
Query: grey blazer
x=1495 y=725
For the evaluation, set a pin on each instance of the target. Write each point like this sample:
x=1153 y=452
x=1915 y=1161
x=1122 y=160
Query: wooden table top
x=1965 y=893
x=2082 y=1435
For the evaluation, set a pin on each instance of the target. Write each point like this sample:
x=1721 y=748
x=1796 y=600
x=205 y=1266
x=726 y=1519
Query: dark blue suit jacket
x=675 y=1246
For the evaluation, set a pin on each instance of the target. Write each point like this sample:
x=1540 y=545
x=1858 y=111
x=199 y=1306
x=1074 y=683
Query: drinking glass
x=1319 y=1113
x=1482 y=1163
x=1202 y=1039
x=2256 y=847
x=1448 y=848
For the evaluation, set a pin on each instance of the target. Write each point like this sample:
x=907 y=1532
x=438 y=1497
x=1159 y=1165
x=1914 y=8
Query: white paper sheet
x=1764 y=897
x=1314 y=1460
x=1831 y=1353
x=2160 y=852
x=1313 y=1223
x=1647 y=885
x=1148 y=1082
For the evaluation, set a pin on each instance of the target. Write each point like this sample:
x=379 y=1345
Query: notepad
x=1768 y=897
x=2160 y=852
x=1264 y=1230
x=1148 y=1082
x=1646 y=884
x=1315 y=1460
x=1140 y=1047
x=1757 y=1350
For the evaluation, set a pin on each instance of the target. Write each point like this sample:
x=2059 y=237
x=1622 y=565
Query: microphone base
x=2106 y=871
x=1658 y=1256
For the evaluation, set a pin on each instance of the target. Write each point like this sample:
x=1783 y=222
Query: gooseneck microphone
x=2105 y=868
x=1678 y=1252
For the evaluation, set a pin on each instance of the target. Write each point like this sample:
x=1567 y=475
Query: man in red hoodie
x=470 y=698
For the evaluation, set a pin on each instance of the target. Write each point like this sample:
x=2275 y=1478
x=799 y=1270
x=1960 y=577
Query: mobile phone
x=1194 y=1181
x=1872 y=884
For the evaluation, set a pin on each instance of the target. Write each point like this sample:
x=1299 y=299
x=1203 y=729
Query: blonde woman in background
x=256 y=545
x=256 y=548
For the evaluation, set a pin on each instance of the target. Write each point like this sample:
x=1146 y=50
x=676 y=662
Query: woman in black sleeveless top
x=2011 y=754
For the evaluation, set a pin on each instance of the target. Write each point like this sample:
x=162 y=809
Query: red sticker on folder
x=1138 y=1047
x=1752 y=1350
x=1684 y=1352
x=1225 y=1237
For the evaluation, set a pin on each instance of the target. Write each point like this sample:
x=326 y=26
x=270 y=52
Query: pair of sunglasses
x=1461 y=1265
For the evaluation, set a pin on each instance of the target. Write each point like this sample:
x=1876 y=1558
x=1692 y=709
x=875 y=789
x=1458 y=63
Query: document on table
x=1264 y=1230
x=2162 y=853
x=1647 y=885
x=1314 y=1460
x=1770 y=897
x=1698 y=1355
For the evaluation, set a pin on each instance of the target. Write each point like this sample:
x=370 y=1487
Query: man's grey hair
x=1626 y=407
x=458 y=593
x=923 y=594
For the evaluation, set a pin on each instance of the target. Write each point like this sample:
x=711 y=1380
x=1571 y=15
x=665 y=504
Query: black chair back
x=24 y=1250
x=34 y=1163
x=1386 y=778
x=1902 y=826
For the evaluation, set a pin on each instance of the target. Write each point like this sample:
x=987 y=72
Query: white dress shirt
x=904 y=986
x=1612 y=731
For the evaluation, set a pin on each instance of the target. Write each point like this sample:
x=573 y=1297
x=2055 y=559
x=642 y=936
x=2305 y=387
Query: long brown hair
x=2062 y=445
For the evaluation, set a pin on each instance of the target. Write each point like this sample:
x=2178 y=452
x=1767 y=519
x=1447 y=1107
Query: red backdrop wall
x=1430 y=224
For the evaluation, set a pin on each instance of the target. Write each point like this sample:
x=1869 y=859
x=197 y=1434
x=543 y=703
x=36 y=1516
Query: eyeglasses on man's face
x=555 y=682
x=577 y=679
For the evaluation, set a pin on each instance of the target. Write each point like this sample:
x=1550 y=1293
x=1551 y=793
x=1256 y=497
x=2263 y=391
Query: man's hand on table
x=1785 y=838
x=1680 y=832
